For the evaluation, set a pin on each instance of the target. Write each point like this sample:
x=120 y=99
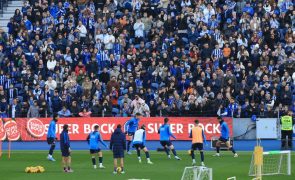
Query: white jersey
x=139 y=137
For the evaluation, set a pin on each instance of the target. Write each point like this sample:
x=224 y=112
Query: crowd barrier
x=35 y=129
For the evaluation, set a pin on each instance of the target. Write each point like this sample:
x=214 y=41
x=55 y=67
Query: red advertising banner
x=35 y=129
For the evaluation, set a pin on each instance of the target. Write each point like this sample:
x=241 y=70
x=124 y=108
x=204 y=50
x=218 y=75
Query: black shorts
x=94 y=151
x=197 y=146
x=65 y=153
x=118 y=153
x=51 y=140
x=137 y=146
x=166 y=143
x=223 y=139
x=130 y=133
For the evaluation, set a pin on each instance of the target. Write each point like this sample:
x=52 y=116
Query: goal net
x=197 y=173
x=274 y=162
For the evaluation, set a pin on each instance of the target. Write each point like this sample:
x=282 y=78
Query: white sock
x=148 y=159
x=194 y=161
x=139 y=158
x=100 y=164
x=94 y=166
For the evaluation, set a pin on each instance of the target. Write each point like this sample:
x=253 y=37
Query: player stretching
x=139 y=144
x=224 y=137
x=51 y=136
x=198 y=137
x=165 y=134
x=130 y=128
x=93 y=139
x=65 y=149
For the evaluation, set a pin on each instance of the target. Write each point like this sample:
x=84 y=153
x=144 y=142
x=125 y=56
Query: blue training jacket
x=165 y=132
x=64 y=140
x=224 y=130
x=93 y=139
x=131 y=125
x=51 y=130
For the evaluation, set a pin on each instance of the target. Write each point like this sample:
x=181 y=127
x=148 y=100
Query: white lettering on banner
x=75 y=129
x=179 y=128
x=153 y=128
x=87 y=128
x=107 y=128
x=46 y=128
x=211 y=128
x=176 y=128
x=216 y=128
x=104 y=128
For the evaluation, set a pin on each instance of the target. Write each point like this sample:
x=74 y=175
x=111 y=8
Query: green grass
x=163 y=168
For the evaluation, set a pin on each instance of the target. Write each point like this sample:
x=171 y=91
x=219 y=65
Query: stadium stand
x=157 y=57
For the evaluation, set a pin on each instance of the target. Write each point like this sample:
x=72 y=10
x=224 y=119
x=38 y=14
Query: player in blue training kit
x=130 y=127
x=51 y=136
x=165 y=134
x=66 y=149
x=139 y=144
x=93 y=139
x=224 y=137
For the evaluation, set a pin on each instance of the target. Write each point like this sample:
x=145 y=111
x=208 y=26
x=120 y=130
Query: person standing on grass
x=287 y=123
x=93 y=139
x=118 y=146
x=51 y=137
x=165 y=133
x=130 y=127
x=139 y=142
x=224 y=137
x=198 y=138
x=65 y=149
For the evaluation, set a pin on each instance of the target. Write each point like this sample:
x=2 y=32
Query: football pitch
x=162 y=169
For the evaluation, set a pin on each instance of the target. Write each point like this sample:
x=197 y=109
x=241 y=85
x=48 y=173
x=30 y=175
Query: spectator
x=64 y=112
x=139 y=31
x=3 y=108
x=85 y=113
x=33 y=110
x=15 y=109
x=74 y=109
x=96 y=109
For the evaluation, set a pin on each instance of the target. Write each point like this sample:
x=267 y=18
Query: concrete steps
x=8 y=12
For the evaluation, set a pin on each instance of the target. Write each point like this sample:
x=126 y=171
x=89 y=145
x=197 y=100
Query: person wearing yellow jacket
x=198 y=139
x=287 y=123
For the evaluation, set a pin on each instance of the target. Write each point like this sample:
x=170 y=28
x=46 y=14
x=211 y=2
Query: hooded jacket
x=118 y=140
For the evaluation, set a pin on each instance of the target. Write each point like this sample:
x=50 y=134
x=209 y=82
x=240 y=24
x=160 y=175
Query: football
x=119 y=169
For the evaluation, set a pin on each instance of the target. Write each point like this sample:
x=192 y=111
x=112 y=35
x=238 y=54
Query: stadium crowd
x=97 y=58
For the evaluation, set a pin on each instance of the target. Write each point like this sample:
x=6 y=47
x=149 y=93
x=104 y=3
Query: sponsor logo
x=35 y=127
x=2 y=131
x=11 y=130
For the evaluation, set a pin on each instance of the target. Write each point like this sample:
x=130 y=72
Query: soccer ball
x=119 y=169
x=189 y=152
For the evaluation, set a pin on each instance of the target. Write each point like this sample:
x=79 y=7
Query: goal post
x=197 y=173
x=274 y=163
